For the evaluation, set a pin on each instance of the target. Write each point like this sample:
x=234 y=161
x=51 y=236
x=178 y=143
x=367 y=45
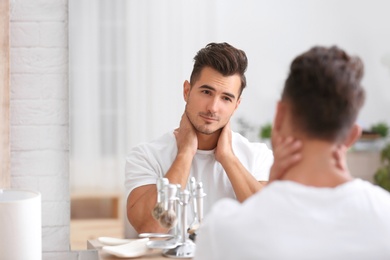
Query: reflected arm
x=143 y=199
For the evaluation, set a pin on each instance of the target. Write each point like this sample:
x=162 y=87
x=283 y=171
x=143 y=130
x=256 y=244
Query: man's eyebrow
x=225 y=93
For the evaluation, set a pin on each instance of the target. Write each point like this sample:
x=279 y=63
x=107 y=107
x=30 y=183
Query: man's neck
x=208 y=142
x=318 y=166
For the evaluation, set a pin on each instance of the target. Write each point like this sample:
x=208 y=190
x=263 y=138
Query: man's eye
x=227 y=99
x=206 y=91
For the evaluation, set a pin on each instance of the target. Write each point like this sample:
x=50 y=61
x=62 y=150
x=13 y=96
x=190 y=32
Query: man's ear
x=279 y=116
x=186 y=90
x=353 y=135
x=238 y=103
x=277 y=125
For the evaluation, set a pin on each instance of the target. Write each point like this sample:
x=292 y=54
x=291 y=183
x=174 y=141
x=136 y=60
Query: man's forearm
x=243 y=183
x=179 y=171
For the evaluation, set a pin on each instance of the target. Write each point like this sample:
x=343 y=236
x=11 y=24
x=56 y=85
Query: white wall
x=39 y=116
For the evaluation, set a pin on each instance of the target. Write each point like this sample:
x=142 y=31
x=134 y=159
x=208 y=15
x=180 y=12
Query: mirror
x=4 y=96
x=128 y=61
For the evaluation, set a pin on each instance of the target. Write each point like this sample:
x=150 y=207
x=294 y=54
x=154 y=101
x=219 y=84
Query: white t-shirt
x=287 y=220
x=149 y=161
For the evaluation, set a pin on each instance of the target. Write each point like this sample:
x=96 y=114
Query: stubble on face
x=205 y=127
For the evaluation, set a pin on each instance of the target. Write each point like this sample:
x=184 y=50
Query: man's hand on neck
x=224 y=149
x=186 y=137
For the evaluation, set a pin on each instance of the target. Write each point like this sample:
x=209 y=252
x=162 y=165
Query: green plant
x=265 y=131
x=382 y=175
x=380 y=128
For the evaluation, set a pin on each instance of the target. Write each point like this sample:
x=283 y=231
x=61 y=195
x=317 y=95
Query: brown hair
x=325 y=93
x=222 y=57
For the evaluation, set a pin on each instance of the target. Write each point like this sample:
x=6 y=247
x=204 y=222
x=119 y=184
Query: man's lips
x=209 y=118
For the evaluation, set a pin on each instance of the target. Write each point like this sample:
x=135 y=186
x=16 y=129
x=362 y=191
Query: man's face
x=212 y=100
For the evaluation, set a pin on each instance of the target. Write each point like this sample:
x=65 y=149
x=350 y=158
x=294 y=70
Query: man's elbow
x=144 y=224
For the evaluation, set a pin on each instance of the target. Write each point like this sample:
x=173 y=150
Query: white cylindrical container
x=20 y=225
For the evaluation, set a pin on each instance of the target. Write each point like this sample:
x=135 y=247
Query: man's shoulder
x=371 y=188
x=222 y=210
x=165 y=142
x=241 y=142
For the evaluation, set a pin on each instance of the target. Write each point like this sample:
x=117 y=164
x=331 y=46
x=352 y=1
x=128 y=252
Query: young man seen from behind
x=316 y=209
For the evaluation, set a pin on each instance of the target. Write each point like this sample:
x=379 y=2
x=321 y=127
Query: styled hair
x=222 y=57
x=325 y=93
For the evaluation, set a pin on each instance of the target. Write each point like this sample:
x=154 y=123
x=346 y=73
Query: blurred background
x=129 y=59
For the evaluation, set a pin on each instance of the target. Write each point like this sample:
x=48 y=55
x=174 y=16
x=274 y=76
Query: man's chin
x=208 y=131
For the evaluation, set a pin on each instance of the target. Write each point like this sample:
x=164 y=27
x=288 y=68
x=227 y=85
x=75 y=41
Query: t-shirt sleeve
x=255 y=156
x=139 y=169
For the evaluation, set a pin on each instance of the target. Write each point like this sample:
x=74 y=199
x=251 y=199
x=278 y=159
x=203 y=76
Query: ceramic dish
x=112 y=241
x=135 y=248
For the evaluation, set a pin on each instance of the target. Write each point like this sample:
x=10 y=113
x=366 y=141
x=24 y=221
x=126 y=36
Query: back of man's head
x=324 y=92
x=223 y=58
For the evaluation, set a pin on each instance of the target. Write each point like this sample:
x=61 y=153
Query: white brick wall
x=39 y=116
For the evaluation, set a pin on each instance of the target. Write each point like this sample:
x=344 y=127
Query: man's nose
x=213 y=105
